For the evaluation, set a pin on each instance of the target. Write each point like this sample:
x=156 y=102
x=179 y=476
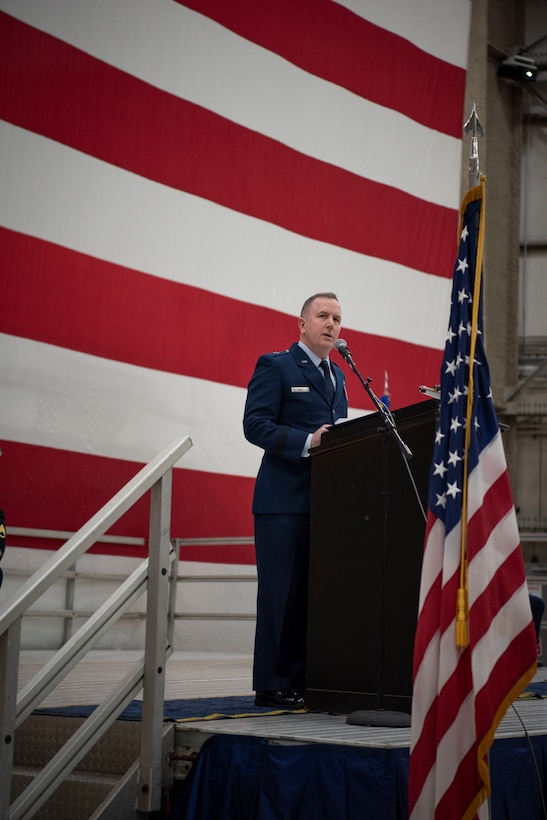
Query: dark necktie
x=328 y=380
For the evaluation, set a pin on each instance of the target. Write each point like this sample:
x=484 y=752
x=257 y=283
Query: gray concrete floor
x=188 y=675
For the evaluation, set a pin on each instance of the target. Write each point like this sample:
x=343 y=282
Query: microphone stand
x=380 y=716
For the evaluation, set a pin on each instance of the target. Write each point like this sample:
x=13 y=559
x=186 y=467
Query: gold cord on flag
x=462 y=608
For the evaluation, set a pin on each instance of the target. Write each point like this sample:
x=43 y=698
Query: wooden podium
x=365 y=561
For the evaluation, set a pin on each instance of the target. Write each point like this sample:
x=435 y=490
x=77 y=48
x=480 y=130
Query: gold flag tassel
x=462 y=607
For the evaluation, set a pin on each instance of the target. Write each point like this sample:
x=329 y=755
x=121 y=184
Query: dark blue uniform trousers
x=282 y=559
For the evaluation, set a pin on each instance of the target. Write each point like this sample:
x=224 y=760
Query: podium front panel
x=367 y=536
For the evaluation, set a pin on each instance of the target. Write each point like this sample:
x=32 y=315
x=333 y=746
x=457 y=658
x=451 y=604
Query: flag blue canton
x=447 y=477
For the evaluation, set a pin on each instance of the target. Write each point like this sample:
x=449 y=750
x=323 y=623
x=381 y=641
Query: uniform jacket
x=287 y=400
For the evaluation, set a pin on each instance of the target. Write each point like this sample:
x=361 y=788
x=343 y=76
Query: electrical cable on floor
x=532 y=752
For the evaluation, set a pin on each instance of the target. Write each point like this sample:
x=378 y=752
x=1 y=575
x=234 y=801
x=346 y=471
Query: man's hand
x=316 y=437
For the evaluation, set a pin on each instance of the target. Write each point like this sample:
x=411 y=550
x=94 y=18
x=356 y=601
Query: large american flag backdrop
x=176 y=178
x=475 y=647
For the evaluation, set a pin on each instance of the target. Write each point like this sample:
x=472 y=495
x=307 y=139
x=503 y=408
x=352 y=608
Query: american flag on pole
x=475 y=647
x=177 y=177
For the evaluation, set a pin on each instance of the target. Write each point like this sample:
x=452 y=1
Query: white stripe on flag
x=194 y=58
x=424 y=22
x=73 y=401
x=155 y=229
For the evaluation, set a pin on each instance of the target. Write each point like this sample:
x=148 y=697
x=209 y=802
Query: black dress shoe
x=280 y=698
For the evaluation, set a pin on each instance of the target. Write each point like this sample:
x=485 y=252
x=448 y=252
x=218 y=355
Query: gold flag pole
x=477 y=191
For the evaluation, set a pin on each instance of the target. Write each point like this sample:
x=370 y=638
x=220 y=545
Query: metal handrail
x=70 y=614
x=153 y=575
x=87 y=535
x=63 y=535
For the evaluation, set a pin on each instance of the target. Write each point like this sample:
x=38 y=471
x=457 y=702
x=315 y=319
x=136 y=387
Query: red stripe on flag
x=432 y=601
x=501 y=587
x=389 y=71
x=502 y=680
x=439 y=612
x=442 y=712
x=123 y=302
x=496 y=504
x=439 y=606
x=46 y=488
x=467 y=785
x=62 y=93
x=451 y=804
x=440 y=717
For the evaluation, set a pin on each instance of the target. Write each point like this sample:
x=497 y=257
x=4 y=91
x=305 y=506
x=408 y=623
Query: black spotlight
x=518 y=69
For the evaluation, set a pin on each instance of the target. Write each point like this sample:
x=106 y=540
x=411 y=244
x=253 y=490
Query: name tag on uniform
x=300 y=389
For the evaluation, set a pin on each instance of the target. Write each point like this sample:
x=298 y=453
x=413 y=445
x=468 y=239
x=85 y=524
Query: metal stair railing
x=152 y=575
x=69 y=613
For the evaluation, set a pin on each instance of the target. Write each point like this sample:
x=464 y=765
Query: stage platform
x=348 y=764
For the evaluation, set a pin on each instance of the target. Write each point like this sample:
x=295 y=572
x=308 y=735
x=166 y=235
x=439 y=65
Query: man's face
x=320 y=326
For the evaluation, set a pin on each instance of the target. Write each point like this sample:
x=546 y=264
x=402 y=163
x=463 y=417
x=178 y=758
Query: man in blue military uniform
x=293 y=397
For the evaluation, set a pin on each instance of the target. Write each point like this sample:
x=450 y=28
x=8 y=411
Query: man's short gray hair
x=315 y=296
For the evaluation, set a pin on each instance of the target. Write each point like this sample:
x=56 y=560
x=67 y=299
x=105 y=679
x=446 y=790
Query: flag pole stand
x=380 y=716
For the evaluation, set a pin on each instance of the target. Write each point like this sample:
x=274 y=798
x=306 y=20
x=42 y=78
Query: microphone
x=342 y=347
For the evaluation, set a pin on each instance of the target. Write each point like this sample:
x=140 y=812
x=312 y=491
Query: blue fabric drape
x=516 y=793
x=247 y=778
x=241 y=777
